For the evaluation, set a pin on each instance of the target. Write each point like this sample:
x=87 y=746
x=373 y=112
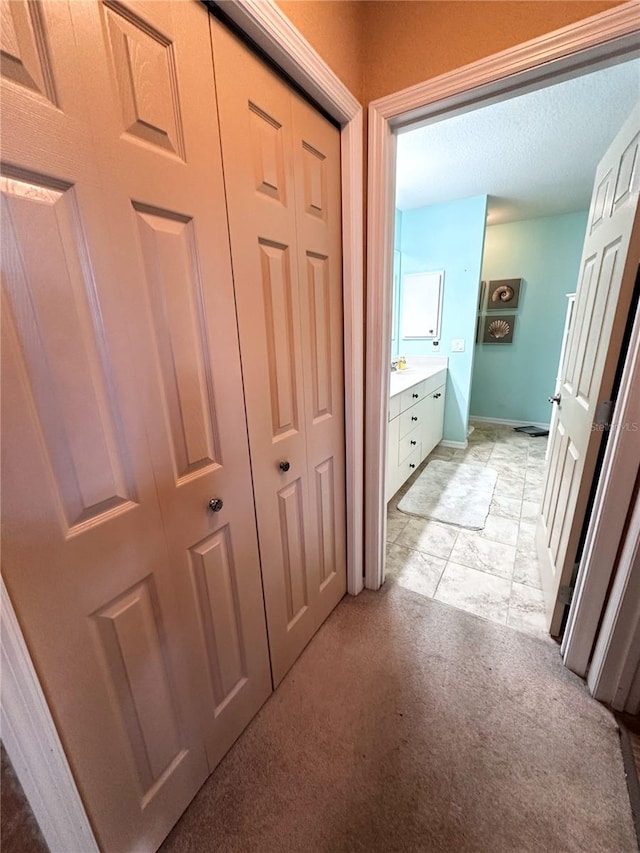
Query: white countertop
x=400 y=380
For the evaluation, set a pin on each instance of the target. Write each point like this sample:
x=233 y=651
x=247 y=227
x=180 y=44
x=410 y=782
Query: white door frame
x=274 y=33
x=28 y=729
x=588 y=44
x=615 y=667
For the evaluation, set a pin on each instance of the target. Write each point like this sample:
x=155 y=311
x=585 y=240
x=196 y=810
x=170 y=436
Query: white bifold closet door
x=282 y=176
x=122 y=406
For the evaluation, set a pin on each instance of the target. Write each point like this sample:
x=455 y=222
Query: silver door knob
x=556 y=398
x=216 y=504
x=284 y=466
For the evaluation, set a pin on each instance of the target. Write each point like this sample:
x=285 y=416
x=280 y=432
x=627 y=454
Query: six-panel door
x=158 y=121
x=607 y=276
x=84 y=555
x=282 y=173
x=123 y=410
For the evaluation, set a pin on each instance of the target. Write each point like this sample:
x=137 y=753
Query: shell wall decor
x=499 y=330
x=503 y=294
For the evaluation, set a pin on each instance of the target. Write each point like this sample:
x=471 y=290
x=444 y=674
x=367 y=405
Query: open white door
x=605 y=284
x=569 y=321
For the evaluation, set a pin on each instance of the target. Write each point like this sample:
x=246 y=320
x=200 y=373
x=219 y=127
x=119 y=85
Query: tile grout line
x=446 y=563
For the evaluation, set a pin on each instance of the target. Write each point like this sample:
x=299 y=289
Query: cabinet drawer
x=408 y=444
x=412 y=396
x=434 y=383
x=410 y=464
x=413 y=418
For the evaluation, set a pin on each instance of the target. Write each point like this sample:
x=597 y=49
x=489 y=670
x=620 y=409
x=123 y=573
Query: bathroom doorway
x=491 y=225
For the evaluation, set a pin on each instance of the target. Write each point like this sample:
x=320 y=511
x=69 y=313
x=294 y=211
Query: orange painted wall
x=408 y=42
x=335 y=29
x=380 y=46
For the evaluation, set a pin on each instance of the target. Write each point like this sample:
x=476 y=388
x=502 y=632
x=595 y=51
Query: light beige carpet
x=408 y=725
x=452 y=492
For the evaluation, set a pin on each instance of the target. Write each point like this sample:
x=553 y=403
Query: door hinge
x=604 y=411
x=565 y=594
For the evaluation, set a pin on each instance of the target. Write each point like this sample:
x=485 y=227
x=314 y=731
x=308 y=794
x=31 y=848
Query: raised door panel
x=84 y=558
x=316 y=151
x=52 y=300
x=294 y=551
x=257 y=147
x=144 y=65
x=318 y=279
x=279 y=303
x=39 y=88
x=215 y=576
x=325 y=496
x=132 y=642
x=24 y=53
x=168 y=250
x=153 y=75
x=560 y=490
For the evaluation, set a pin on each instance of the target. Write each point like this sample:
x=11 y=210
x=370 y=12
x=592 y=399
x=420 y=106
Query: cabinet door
x=432 y=422
x=421 y=304
x=84 y=556
x=284 y=255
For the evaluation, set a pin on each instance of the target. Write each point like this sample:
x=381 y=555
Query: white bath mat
x=452 y=492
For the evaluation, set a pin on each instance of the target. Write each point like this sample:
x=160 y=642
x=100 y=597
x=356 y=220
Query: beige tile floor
x=492 y=572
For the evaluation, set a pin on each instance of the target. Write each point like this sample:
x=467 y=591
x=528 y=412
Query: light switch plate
x=457 y=345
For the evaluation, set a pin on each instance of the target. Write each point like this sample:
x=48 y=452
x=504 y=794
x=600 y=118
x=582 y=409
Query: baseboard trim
x=630 y=767
x=506 y=422
x=458 y=445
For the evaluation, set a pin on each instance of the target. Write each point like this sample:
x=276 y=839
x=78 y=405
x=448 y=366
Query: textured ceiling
x=534 y=155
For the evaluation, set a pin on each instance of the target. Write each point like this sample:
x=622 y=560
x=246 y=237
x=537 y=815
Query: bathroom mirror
x=396 y=294
x=396 y=299
x=421 y=304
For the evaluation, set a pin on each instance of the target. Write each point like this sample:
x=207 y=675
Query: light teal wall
x=397 y=229
x=449 y=237
x=397 y=271
x=514 y=381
